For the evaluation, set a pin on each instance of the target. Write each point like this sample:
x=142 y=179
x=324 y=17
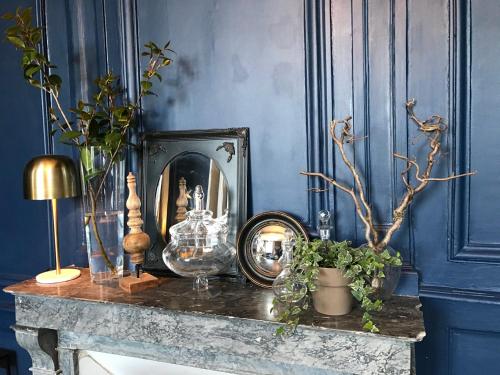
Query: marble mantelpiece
x=232 y=332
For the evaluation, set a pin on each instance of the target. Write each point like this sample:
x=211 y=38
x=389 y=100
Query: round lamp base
x=51 y=277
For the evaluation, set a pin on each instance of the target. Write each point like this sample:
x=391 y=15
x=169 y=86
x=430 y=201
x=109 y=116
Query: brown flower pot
x=333 y=295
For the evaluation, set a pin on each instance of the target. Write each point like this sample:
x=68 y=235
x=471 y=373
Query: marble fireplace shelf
x=232 y=332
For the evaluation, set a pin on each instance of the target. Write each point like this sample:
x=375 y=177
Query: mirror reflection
x=176 y=183
x=266 y=249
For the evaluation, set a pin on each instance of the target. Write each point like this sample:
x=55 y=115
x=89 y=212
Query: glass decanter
x=198 y=246
x=324 y=230
x=287 y=287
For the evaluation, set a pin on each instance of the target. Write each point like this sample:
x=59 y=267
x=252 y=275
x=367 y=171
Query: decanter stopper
x=136 y=242
x=324 y=225
x=198 y=198
x=287 y=257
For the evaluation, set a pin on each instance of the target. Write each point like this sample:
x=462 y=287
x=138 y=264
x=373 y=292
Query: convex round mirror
x=176 y=183
x=260 y=245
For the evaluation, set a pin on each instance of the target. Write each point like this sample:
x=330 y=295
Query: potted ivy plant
x=99 y=129
x=332 y=272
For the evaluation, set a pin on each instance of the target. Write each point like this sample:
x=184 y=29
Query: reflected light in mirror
x=178 y=179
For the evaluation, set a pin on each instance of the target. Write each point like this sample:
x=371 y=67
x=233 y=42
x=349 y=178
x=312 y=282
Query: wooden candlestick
x=136 y=242
x=182 y=201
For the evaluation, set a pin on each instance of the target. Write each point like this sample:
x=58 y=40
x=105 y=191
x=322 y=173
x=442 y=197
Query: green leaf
x=13 y=30
x=157 y=75
x=69 y=135
x=31 y=69
x=93 y=128
x=154 y=47
x=280 y=331
x=146 y=85
x=86 y=158
x=16 y=41
x=29 y=55
x=112 y=139
x=55 y=81
x=8 y=16
x=368 y=325
x=35 y=83
x=37 y=36
x=26 y=15
x=89 y=176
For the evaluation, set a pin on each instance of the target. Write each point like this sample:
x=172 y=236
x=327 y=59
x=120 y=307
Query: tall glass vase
x=103 y=181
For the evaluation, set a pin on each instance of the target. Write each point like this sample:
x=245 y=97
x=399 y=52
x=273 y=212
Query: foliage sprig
x=104 y=122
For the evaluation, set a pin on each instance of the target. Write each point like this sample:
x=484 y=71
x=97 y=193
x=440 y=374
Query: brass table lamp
x=52 y=177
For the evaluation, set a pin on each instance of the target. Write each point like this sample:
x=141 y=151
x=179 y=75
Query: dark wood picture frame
x=228 y=147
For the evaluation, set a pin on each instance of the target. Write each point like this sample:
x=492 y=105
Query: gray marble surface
x=232 y=332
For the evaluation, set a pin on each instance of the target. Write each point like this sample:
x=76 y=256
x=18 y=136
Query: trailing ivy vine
x=360 y=265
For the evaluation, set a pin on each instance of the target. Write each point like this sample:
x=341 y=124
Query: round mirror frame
x=248 y=234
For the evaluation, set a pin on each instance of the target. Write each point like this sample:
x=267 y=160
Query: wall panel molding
x=369 y=81
x=462 y=60
x=318 y=91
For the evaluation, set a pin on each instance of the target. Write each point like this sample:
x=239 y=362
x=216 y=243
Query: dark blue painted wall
x=24 y=227
x=284 y=68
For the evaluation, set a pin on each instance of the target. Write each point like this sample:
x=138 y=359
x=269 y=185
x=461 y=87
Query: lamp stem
x=56 y=235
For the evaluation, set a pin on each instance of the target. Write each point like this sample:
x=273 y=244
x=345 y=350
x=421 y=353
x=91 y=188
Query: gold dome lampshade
x=52 y=177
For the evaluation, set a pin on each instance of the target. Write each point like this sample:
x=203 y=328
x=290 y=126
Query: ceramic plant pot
x=333 y=295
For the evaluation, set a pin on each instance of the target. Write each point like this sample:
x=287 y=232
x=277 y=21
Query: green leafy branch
x=103 y=123
x=36 y=66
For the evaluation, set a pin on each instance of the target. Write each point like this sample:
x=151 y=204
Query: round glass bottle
x=287 y=287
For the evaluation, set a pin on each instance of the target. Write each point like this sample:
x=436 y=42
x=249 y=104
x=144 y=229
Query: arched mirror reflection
x=176 y=183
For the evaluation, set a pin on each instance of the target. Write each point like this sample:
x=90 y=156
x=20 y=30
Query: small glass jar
x=287 y=287
x=198 y=246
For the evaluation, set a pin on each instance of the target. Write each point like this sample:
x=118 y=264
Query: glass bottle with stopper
x=287 y=287
x=324 y=229
x=136 y=242
x=198 y=246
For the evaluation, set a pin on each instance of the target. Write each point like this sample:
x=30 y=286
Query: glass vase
x=384 y=287
x=103 y=179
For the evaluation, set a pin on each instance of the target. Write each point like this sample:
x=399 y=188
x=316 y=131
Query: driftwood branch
x=346 y=136
x=433 y=127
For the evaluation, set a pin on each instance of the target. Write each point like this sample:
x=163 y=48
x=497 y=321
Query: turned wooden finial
x=182 y=201
x=136 y=242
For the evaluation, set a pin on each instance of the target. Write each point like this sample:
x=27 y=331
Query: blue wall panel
x=24 y=228
x=237 y=63
x=463 y=333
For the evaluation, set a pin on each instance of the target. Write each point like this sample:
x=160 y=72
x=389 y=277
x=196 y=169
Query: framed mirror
x=259 y=245
x=174 y=163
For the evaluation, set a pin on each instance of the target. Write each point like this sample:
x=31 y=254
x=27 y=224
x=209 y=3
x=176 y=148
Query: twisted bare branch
x=346 y=136
x=434 y=127
x=354 y=197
